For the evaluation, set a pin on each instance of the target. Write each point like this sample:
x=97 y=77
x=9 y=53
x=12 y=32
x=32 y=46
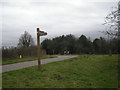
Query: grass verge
x=11 y=61
x=84 y=71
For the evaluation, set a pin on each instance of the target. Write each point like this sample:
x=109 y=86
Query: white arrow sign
x=42 y=33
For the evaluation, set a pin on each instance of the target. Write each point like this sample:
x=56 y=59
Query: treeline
x=25 y=48
x=59 y=45
x=15 y=52
x=81 y=45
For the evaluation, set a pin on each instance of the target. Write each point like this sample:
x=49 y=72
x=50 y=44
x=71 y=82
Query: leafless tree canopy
x=26 y=40
x=113 y=21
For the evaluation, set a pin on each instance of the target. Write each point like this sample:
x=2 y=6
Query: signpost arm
x=38 y=47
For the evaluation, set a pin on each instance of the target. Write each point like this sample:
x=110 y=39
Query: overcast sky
x=56 y=17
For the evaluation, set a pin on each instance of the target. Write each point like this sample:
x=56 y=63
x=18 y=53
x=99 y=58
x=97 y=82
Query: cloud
x=57 y=17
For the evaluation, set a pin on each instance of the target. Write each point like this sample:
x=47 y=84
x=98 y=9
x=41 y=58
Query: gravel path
x=16 y=66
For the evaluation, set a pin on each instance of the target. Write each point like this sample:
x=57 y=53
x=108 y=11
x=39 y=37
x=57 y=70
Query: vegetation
x=25 y=47
x=81 y=45
x=58 y=45
x=26 y=40
x=15 y=52
x=113 y=22
x=84 y=71
x=17 y=60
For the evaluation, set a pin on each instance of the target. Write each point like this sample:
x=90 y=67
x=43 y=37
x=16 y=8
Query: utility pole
x=39 y=33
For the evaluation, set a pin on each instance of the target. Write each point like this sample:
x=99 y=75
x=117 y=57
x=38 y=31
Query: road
x=11 y=67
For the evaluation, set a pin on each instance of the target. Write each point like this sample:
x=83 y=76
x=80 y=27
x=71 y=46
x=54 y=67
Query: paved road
x=16 y=66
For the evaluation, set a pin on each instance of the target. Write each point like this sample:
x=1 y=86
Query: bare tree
x=25 y=40
x=112 y=20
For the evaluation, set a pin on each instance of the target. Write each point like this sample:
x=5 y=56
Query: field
x=17 y=60
x=84 y=71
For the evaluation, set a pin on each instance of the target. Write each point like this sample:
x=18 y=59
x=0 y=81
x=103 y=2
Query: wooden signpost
x=39 y=33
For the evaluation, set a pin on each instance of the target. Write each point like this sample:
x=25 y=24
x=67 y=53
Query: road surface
x=16 y=66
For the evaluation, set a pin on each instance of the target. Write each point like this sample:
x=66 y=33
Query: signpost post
x=39 y=33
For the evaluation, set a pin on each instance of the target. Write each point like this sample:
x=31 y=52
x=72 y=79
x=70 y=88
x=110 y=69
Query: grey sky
x=57 y=17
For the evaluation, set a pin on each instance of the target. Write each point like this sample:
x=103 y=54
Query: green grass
x=84 y=71
x=17 y=60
